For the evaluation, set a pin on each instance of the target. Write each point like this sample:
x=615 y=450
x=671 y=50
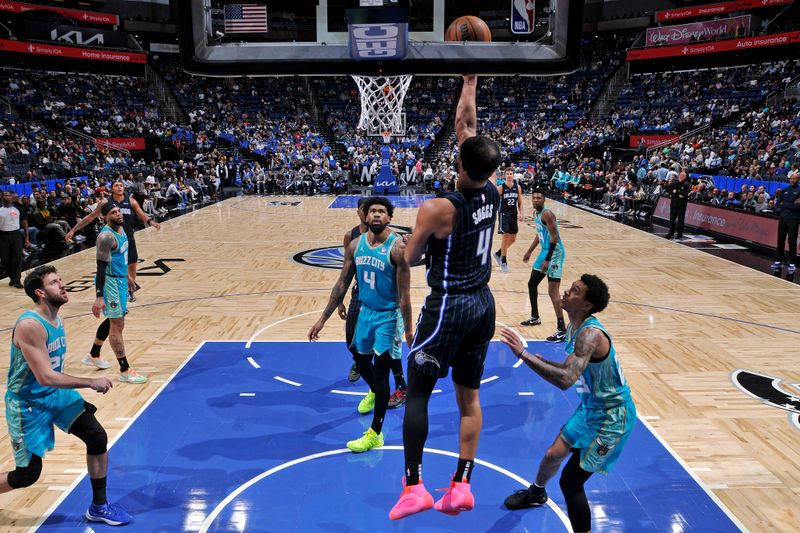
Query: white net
x=382 y=103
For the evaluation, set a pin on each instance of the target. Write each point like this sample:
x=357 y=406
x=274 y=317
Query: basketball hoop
x=382 y=103
x=387 y=137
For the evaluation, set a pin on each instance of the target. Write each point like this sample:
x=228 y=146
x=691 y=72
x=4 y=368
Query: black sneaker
x=354 y=374
x=558 y=336
x=533 y=496
x=532 y=321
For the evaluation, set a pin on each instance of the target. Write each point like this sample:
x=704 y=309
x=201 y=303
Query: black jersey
x=127 y=213
x=461 y=262
x=510 y=200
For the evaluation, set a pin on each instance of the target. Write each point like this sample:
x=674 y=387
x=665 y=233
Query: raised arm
x=591 y=342
x=466 y=112
x=403 y=270
x=85 y=221
x=31 y=339
x=338 y=291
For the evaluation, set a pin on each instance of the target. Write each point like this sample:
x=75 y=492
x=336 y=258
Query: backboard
x=310 y=37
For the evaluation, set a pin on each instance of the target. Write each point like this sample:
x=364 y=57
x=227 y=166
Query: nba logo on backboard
x=522 y=16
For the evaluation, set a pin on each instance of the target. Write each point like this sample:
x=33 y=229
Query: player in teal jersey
x=596 y=433
x=384 y=276
x=40 y=395
x=112 y=283
x=549 y=263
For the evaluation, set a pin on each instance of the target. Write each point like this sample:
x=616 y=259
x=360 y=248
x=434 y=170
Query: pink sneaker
x=457 y=498
x=414 y=499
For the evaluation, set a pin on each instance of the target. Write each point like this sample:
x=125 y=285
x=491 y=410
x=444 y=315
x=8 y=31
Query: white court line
x=348 y=392
x=525 y=393
x=253 y=362
x=58 y=487
x=652 y=417
x=524 y=342
x=265 y=328
x=68 y=490
x=157 y=381
x=209 y=521
x=75 y=471
x=436 y=391
x=706 y=488
x=247 y=394
x=123 y=419
x=288 y=381
x=487 y=380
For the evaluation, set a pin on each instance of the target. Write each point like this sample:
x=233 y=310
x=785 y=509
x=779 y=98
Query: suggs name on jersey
x=483 y=213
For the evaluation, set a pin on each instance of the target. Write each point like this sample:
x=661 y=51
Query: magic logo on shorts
x=421 y=358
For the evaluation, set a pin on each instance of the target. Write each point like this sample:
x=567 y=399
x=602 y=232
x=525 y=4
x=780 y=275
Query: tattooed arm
x=338 y=292
x=591 y=342
x=106 y=243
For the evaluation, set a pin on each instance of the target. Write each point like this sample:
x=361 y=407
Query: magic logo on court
x=332 y=257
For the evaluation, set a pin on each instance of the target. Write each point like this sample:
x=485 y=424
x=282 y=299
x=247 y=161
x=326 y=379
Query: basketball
x=468 y=28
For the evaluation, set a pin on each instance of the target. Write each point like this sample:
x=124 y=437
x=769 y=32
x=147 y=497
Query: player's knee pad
x=26 y=476
x=89 y=430
x=573 y=477
x=103 y=329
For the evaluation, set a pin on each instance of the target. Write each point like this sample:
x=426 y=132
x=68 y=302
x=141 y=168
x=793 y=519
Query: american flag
x=245 y=18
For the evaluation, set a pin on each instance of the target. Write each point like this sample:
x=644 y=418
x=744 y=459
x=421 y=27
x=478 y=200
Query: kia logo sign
x=76 y=37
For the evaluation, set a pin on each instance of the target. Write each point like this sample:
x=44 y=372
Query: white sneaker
x=96 y=362
x=792 y=269
x=131 y=376
x=504 y=268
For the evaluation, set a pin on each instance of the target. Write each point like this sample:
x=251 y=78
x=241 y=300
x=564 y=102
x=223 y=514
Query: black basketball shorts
x=508 y=224
x=454 y=330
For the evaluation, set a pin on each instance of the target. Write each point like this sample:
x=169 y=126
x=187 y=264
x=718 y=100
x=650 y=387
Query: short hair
x=380 y=200
x=537 y=190
x=480 y=157
x=509 y=169
x=106 y=208
x=596 y=292
x=35 y=280
x=362 y=202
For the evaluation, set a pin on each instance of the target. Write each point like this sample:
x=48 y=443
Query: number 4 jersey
x=461 y=262
x=21 y=380
x=376 y=275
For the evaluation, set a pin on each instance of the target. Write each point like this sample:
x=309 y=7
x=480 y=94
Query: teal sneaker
x=369 y=441
x=367 y=404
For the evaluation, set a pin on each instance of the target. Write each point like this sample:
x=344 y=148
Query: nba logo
x=522 y=16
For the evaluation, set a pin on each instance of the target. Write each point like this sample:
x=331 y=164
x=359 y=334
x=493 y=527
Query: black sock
x=503 y=258
x=464 y=470
x=397 y=371
x=95 y=351
x=123 y=364
x=561 y=326
x=98 y=490
x=499 y=252
x=413 y=474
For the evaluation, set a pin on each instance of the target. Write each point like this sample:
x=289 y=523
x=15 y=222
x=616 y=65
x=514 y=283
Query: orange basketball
x=468 y=28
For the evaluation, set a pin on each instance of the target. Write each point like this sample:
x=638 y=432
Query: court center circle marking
x=209 y=521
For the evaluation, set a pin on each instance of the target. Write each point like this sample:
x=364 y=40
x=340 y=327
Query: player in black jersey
x=128 y=206
x=511 y=211
x=457 y=321
x=350 y=316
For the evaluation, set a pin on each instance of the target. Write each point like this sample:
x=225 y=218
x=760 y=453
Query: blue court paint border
x=242 y=358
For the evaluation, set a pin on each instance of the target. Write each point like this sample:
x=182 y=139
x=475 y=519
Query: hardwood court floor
x=682 y=321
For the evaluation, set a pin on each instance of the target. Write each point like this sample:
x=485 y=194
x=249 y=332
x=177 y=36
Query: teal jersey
x=376 y=275
x=118 y=266
x=21 y=380
x=602 y=384
x=541 y=230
